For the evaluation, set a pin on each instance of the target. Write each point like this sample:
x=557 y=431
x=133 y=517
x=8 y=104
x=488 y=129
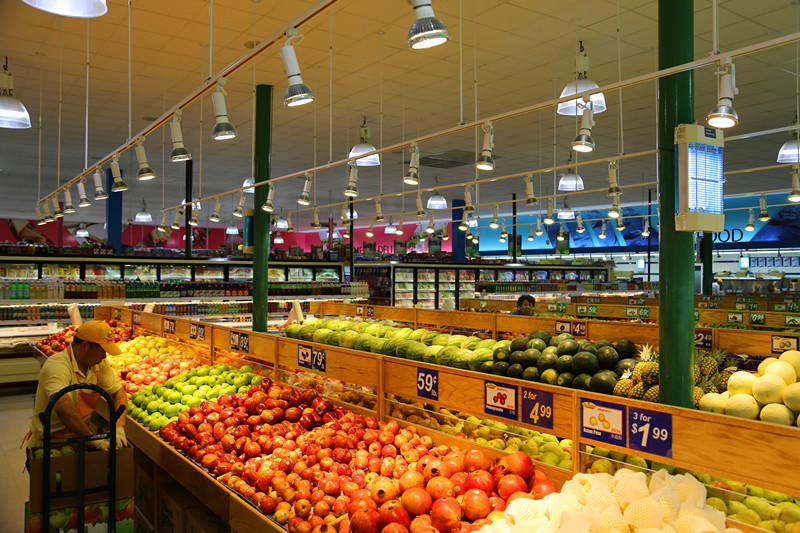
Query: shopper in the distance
x=524 y=305
x=84 y=361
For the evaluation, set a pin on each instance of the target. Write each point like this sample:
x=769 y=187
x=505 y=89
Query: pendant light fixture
x=176 y=224
x=724 y=115
x=238 y=211
x=646 y=230
x=562 y=233
x=530 y=199
x=548 y=219
x=790 y=150
x=71 y=8
x=412 y=176
x=437 y=201
x=468 y=237
x=620 y=224
x=305 y=197
x=378 y=213
x=445 y=235
x=476 y=237
x=232 y=230
x=763 y=216
x=430 y=229
x=267 y=206
x=363 y=148
x=580 y=84
x=571 y=180
x=615 y=212
x=539 y=230
x=82 y=231
x=485 y=160
x=57 y=212
x=278 y=239
x=494 y=224
x=420 y=211
x=316 y=224
x=566 y=213
x=400 y=228
x=143 y=215
x=602 y=234
x=12 y=111
x=214 y=217
x=162 y=228
x=47 y=216
x=119 y=184
x=99 y=192
x=281 y=223
x=179 y=151
x=501 y=239
x=290 y=227
x=463 y=225
x=794 y=194
x=468 y=207
x=427 y=30
x=83 y=200
x=297 y=93
x=248 y=185
x=222 y=129
x=390 y=229
x=145 y=172
x=580 y=228
x=503 y=232
x=351 y=191
x=68 y=207
x=531 y=238
x=584 y=142
x=750 y=226
x=371 y=231
x=613 y=178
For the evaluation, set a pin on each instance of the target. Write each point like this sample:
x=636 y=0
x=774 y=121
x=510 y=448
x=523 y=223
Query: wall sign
x=603 y=421
x=428 y=383
x=650 y=431
x=500 y=399
x=537 y=407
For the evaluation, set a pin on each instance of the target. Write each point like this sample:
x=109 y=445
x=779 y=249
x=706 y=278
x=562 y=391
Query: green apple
x=38 y=453
x=59 y=518
x=566 y=463
x=174 y=397
x=67 y=450
x=245 y=368
x=203 y=370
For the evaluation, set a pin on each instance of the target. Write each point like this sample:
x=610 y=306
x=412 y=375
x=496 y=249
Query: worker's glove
x=122 y=440
x=100 y=445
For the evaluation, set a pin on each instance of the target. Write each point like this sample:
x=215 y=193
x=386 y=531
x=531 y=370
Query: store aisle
x=15 y=415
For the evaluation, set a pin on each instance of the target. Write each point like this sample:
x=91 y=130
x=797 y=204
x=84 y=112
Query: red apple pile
x=154 y=369
x=58 y=342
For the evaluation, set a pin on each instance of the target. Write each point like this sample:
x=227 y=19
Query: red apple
x=357 y=504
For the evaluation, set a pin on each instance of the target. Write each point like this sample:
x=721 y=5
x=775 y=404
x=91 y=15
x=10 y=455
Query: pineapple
x=651 y=395
x=707 y=384
x=722 y=382
x=721 y=358
x=637 y=392
x=650 y=373
x=697 y=374
x=623 y=387
x=698 y=395
x=648 y=353
x=636 y=375
x=708 y=366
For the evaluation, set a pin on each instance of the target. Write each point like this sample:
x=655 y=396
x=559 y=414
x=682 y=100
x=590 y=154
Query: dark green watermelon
x=515 y=371
x=625 y=365
x=515 y=358
x=537 y=344
x=486 y=367
x=585 y=363
x=587 y=346
x=568 y=347
x=518 y=344
x=531 y=374
x=530 y=357
x=540 y=334
x=581 y=381
x=546 y=361
x=607 y=358
x=550 y=349
x=501 y=353
x=549 y=376
x=625 y=348
x=603 y=382
x=564 y=364
x=499 y=368
x=603 y=342
x=565 y=379
x=558 y=339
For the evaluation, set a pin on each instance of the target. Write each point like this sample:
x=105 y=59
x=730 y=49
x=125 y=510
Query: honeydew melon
x=769 y=389
x=777 y=413
x=713 y=403
x=793 y=358
x=742 y=406
x=783 y=370
x=762 y=366
x=741 y=382
x=791 y=397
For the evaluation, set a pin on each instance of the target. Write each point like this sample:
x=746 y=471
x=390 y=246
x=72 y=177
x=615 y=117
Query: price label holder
x=650 y=431
x=116 y=314
x=696 y=315
x=563 y=326
x=201 y=332
x=428 y=383
x=304 y=356
x=536 y=407
x=233 y=341
x=319 y=359
x=702 y=338
x=244 y=342
x=713 y=305
x=740 y=306
x=579 y=329
x=500 y=399
x=791 y=320
x=757 y=318
x=752 y=306
x=359 y=311
x=370 y=311
x=582 y=309
x=561 y=308
x=781 y=343
x=137 y=319
x=552 y=308
x=592 y=300
x=603 y=421
x=736 y=318
x=169 y=326
x=793 y=307
x=779 y=307
x=636 y=301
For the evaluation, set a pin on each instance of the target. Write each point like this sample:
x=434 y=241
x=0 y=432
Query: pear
x=547 y=437
x=717 y=504
x=789 y=513
x=552 y=447
x=748 y=516
x=602 y=466
x=755 y=491
x=772 y=525
x=566 y=443
x=702 y=478
x=497 y=443
x=531 y=447
x=637 y=463
x=601 y=452
x=735 y=507
x=566 y=462
x=549 y=458
x=775 y=496
x=655 y=465
x=756 y=504
x=511 y=448
x=739 y=490
x=616 y=456
x=481 y=440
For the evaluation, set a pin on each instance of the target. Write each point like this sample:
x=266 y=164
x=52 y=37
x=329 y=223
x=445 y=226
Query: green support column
x=707 y=255
x=262 y=219
x=676 y=249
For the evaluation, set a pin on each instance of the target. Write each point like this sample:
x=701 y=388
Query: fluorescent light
x=143 y=215
x=485 y=160
x=297 y=93
x=13 y=114
x=179 y=151
x=427 y=30
x=145 y=172
x=222 y=129
x=71 y=8
x=724 y=115
x=363 y=148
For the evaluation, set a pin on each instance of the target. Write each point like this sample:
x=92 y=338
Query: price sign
x=702 y=305
x=137 y=319
x=603 y=421
x=696 y=315
x=757 y=318
x=244 y=342
x=169 y=326
x=428 y=383
x=752 y=306
x=500 y=400
x=318 y=359
x=779 y=307
x=551 y=308
x=791 y=320
x=359 y=311
x=116 y=314
x=579 y=329
x=233 y=341
x=193 y=331
x=650 y=431
x=592 y=300
x=781 y=343
x=563 y=326
x=370 y=311
x=638 y=312
x=636 y=301
x=201 y=332
x=702 y=338
x=740 y=306
x=537 y=407
x=713 y=305
x=561 y=308
x=304 y=356
x=793 y=307
x=585 y=309
x=735 y=318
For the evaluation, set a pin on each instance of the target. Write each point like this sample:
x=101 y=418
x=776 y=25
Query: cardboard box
x=201 y=520
x=145 y=495
x=171 y=509
x=95 y=475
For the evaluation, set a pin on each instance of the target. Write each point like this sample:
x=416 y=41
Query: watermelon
x=564 y=364
x=377 y=345
x=306 y=333
x=540 y=334
x=456 y=340
x=584 y=363
x=530 y=357
x=547 y=361
x=486 y=343
x=470 y=343
x=625 y=365
x=519 y=344
x=333 y=338
x=531 y=374
x=499 y=368
x=403 y=346
x=555 y=341
x=441 y=339
x=549 y=376
x=581 y=381
x=362 y=342
x=323 y=322
x=418 y=334
x=515 y=371
x=603 y=342
x=312 y=321
x=427 y=354
x=376 y=330
x=320 y=335
x=429 y=337
x=337 y=325
x=603 y=382
x=461 y=359
x=586 y=346
x=607 y=358
x=292 y=330
x=565 y=379
x=391 y=333
x=480 y=356
x=445 y=356
x=390 y=346
x=536 y=344
x=504 y=342
x=501 y=353
x=353 y=326
x=486 y=367
x=360 y=326
x=347 y=338
x=568 y=347
x=625 y=348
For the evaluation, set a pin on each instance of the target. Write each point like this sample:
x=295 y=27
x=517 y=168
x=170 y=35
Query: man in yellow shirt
x=84 y=361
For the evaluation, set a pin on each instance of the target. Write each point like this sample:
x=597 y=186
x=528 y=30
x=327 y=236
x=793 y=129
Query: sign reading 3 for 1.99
x=650 y=431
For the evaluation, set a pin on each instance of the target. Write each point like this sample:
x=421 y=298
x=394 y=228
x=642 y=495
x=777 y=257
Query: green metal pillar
x=707 y=255
x=676 y=249
x=262 y=219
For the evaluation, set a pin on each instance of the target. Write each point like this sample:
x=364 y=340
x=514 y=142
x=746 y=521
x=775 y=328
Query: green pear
x=511 y=448
x=481 y=440
x=773 y=512
x=789 y=513
x=601 y=452
x=500 y=426
x=792 y=528
x=748 y=516
x=637 y=463
x=530 y=451
x=550 y=458
x=616 y=456
x=755 y=491
x=775 y=496
x=735 y=507
x=483 y=432
x=655 y=465
x=566 y=462
x=547 y=437
x=566 y=443
x=527 y=432
x=717 y=504
x=552 y=447
x=59 y=519
x=602 y=466
x=702 y=478
x=772 y=525
x=739 y=490
x=497 y=443
x=756 y=504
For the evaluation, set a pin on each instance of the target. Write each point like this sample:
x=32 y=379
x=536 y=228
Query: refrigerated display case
x=378 y=279
x=446 y=285
x=403 y=293
x=103 y=272
x=426 y=288
x=176 y=273
x=209 y=273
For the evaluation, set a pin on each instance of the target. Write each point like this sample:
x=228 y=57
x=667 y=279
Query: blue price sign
x=500 y=400
x=169 y=325
x=603 y=421
x=116 y=314
x=650 y=431
x=193 y=331
x=702 y=338
x=201 y=332
x=244 y=342
x=304 y=356
x=318 y=359
x=233 y=341
x=579 y=329
x=537 y=407
x=137 y=319
x=370 y=311
x=428 y=383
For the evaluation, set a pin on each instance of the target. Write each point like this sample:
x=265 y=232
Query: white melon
x=793 y=358
x=783 y=370
x=769 y=389
x=741 y=382
x=791 y=397
x=762 y=366
x=713 y=403
x=742 y=406
x=777 y=413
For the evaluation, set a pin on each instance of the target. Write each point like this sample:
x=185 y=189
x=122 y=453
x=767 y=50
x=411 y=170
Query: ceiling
x=503 y=55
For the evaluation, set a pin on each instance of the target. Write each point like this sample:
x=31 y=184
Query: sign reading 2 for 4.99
x=537 y=407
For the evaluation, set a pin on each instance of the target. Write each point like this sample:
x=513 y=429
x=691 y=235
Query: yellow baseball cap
x=98 y=332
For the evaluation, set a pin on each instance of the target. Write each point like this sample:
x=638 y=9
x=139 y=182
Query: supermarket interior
x=441 y=266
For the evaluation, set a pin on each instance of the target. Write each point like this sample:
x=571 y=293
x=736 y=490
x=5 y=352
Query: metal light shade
x=305 y=198
x=463 y=225
x=268 y=203
x=763 y=216
x=144 y=215
x=214 y=217
x=162 y=228
x=370 y=233
x=82 y=231
x=620 y=224
x=539 y=229
x=583 y=143
x=602 y=234
x=566 y=213
x=570 y=182
x=222 y=129
x=57 y=212
x=71 y=8
x=99 y=191
x=548 y=219
x=176 y=224
x=351 y=190
x=13 y=114
x=437 y=201
x=248 y=184
x=646 y=229
x=297 y=93
x=391 y=229
x=400 y=229
x=68 y=207
x=179 y=151
x=193 y=219
x=238 y=211
x=362 y=148
x=485 y=161
x=427 y=30
x=231 y=230
x=531 y=238
x=119 y=184
x=794 y=195
x=576 y=107
x=724 y=115
x=278 y=239
x=560 y=236
x=145 y=172
x=282 y=223
x=790 y=151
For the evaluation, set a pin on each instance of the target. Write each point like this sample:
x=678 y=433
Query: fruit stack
x=58 y=342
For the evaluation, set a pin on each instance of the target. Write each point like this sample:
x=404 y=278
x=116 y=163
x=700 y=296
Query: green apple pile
x=156 y=405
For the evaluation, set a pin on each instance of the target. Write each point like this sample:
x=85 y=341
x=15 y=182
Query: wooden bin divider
x=351 y=366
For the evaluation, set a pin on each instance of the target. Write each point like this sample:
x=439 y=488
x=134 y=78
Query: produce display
x=58 y=342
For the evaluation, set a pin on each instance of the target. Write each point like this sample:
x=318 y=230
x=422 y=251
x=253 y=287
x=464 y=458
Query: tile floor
x=15 y=415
